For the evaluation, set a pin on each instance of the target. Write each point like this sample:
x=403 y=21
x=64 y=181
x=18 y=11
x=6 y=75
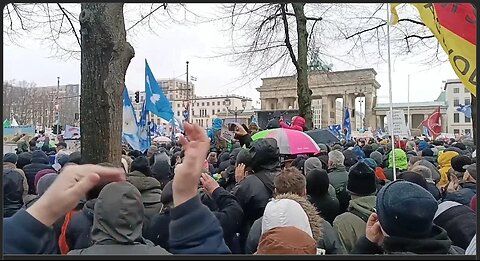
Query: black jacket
x=12 y=192
x=432 y=188
x=328 y=241
x=39 y=162
x=253 y=196
x=80 y=227
x=158 y=230
x=327 y=207
x=437 y=243
x=460 y=223
x=228 y=212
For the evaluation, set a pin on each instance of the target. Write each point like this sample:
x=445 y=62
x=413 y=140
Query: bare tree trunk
x=303 y=92
x=105 y=56
x=474 y=118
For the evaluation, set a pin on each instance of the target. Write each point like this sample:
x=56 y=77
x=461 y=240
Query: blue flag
x=466 y=109
x=336 y=129
x=156 y=101
x=130 y=125
x=143 y=130
x=347 y=127
x=425 y=132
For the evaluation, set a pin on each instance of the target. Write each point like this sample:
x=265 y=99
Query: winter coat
x=298 y=123
x=338 y=178
x=444 y=162
x=458 y=220
x=229 y=213
x=150 y=190
x=158 y=229
x=437 y=243
x=326 y=238
x=78 y=232
x=253 y=195
x=432 y=167
x=432 y=188
x=116 y=232
x=12 y=192
x=327 y=206
x=9 y=165
x=464 y=195
x=350 y=226
x=39 y=162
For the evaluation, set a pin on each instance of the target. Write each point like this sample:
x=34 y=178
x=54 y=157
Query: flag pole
x=390 y=121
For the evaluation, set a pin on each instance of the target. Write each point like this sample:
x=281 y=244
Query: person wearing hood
x=41 y=186
x=401 y=163
x=288 y=229
x=315 y=163
x=428 y=154
x=24 y=159
x=149 y=187
x=350 y=226
x=445 y=164
x=427 y=174
x=298 y=123
x=338 y=177
x=255 y=190
x=393 y=230
x=39 y=162
x=458 y=220
x=114 y=231
x=291 y=184
x=227 y=180
x=317 y=190
x=9 y=162
x=12 y=192
x=160 y=168
x=379 y=172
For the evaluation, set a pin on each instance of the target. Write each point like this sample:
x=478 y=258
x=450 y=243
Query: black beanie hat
x=317 y=182
x=460 y=146
x=406 y=210
x=414 y=178
x=10 y=157
x=361 y=180
x=350 y=158
x=459 y=161
x=141 y=164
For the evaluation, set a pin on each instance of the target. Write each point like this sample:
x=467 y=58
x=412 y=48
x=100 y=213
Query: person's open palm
x=187 y=174
x=68 y=188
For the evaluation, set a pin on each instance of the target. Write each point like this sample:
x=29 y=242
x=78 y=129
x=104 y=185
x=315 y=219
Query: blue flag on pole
x=466 y=109
x=347 y=127
x=156 y=101
x=336 y=129
x=143 y=129
x=130 y=125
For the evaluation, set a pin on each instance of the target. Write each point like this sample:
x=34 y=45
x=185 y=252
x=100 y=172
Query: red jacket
x=298 y=123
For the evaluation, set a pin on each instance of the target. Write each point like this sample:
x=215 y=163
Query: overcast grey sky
x=168 y=49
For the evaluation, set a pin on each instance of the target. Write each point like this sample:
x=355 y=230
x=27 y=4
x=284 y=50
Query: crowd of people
x=194 y=197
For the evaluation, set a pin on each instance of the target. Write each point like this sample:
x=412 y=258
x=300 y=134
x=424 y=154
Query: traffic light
x=137 y=96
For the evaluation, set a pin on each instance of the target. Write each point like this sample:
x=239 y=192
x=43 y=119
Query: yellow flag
x=454 y=26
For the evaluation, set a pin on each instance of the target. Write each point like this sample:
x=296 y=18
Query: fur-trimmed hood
x=313 y=217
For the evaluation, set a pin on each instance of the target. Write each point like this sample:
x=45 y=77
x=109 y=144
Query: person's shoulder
x=343 y=219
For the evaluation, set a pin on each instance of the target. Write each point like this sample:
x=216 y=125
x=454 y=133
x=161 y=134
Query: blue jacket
x=23 y=234
x=194 y=229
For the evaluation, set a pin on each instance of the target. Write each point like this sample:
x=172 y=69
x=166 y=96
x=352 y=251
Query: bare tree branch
x=164 y=5
x=287 y=37
x=71 y=24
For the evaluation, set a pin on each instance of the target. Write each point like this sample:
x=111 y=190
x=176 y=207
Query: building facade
x=456 y=94
x=40 y=105
x=280 y=93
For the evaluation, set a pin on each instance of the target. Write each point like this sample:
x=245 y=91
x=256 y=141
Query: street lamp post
x=361 y=115
x=236 y=111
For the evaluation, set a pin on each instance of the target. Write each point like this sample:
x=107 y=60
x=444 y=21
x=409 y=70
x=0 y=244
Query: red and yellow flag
x=455 y=27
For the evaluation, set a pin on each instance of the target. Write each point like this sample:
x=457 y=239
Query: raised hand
x=187 y=174
x=239 y=172
x=373 y=231
x=209 y=183
x=69 y=187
